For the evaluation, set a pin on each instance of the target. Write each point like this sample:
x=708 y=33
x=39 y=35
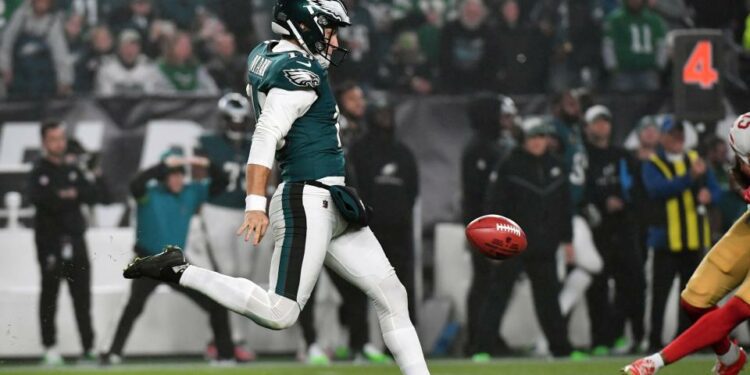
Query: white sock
x=657 y=359
x=573 y=289
x=731 y=356
x=404 y=344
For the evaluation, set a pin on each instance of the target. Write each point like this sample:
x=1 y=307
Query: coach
x=531 y=186
x=58 y=189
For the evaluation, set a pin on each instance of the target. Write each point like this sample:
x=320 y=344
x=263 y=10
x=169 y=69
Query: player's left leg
x=357 y=256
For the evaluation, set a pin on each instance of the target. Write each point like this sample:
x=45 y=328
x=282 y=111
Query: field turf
x=691 y=366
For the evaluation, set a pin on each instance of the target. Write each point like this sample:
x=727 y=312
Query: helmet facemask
x=317 y=41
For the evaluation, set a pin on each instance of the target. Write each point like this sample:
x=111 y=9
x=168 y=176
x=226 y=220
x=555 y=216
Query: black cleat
x=165 y=266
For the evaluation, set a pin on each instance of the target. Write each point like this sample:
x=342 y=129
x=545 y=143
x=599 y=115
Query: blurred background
x=434 y=96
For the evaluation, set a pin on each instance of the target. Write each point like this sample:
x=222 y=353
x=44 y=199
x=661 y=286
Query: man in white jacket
x=127 y=72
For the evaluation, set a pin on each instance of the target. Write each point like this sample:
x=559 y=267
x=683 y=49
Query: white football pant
x=308 y=232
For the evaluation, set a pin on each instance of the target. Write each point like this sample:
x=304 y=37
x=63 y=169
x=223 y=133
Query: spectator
x=676 y=13
x=34 y=59
x=139 y=16
x=237 y=16
x=634 y=47
x=9 y=7
x=228 y=148
x=388 y=180
x=609 y=191
x=361 y=40
x=406 y=69
x=680 y=182
x=182 y=12
x=91 y=58
x=161 y=192
x=179 y=72
x=351 y=100
x=480 y=156
x=468 y=52
x=227 y=67
x=127 y=73
x=531 y=187
x=731 y=205
x=57 y=191
x=523 y=51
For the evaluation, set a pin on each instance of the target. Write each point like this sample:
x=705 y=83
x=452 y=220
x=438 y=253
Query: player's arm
x=280 y=109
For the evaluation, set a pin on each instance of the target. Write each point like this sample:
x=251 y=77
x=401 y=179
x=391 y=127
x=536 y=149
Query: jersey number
x=640 y=39
x=699 y=68
x=234 y=171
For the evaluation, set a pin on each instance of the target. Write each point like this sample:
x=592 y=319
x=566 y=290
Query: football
x=496 y=236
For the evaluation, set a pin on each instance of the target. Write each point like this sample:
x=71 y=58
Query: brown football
x=496 y=236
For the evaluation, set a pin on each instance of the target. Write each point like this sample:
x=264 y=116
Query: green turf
x=696 y=366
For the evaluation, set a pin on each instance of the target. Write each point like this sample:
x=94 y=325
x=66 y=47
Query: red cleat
x=643 y=366
x=734 y=368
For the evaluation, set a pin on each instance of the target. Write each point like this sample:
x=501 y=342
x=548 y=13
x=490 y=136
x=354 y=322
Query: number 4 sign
x=699 y=69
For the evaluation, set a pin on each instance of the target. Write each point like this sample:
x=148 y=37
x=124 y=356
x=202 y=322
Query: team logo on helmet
x=332 y=8
x=302 y=78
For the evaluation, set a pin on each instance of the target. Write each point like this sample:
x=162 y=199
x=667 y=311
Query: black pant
x=496 y=292
x=617 y=245
x=398 y=245
x=141 y=289
x=352 y=313
x=64 y=257
x=667 y=265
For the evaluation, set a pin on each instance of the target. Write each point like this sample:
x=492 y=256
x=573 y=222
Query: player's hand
x=255 y=225
x=614 y=204
x=570 y=253
x=698 y=169
x=704 y=197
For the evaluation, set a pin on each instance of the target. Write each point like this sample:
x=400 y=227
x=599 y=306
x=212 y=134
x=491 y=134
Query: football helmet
x=739 y=137
x=235 y=112
x=307 y=20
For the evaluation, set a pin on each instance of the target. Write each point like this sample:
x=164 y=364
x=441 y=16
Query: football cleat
x=643 y=366
x=165 y=266
x=734 y=368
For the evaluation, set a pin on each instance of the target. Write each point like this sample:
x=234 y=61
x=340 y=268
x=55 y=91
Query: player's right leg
x=302 y=227
x=358 y=257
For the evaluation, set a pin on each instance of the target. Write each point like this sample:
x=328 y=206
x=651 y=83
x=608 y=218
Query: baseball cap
x=595 y=112
x=668 y=123
x=128 y=35
x=534 y=126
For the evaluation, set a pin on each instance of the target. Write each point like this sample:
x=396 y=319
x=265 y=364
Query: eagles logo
x=302 y=78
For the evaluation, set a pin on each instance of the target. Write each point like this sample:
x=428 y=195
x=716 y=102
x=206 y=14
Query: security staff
x=165 y=206
x=681 y=183
x=57 y=190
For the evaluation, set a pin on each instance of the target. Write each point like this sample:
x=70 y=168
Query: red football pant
x=708 y=330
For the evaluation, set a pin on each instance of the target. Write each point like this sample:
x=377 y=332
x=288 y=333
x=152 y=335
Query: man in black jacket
x=609 y=193
x=531 y=187
x=493 y=119
x=58 y=189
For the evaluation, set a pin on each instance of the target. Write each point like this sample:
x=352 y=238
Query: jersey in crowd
x=231 y=157
x=312 y=149
x=635 y=38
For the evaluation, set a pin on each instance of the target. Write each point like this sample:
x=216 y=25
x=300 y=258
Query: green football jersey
x=312 y=149
x=636 y=38
x=231 y=157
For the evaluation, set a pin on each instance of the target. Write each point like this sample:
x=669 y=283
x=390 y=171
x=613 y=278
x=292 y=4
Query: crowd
x=127 y=47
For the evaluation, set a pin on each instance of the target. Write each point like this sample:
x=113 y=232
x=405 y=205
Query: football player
x=298 y=125
x=724 y=268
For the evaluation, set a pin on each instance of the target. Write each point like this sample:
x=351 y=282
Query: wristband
x=255 y=203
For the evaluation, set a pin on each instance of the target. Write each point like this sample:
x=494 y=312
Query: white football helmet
x=739 y=137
